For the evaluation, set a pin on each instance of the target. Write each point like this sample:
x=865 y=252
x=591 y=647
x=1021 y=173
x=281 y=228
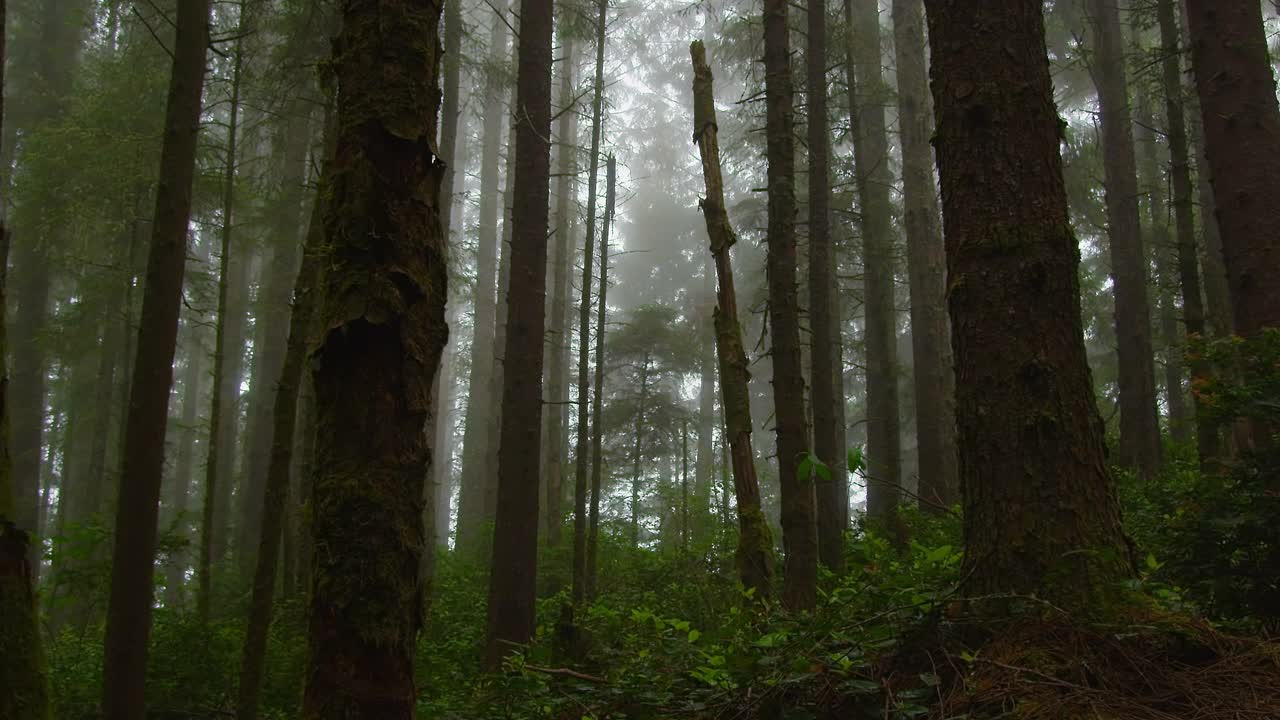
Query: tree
x=284 y=416
x=382 y=314
x=129 y=608
x=1139 y=425
x=799 y=529
x=1242 y=142
x=873 y=179
x=22 y=672
x=477 y=464
x=824 y=305
x=512 y=586
x=580 y=563
x=754 y=554
x=597 y=399
x=1040 y=510
x=926 y=267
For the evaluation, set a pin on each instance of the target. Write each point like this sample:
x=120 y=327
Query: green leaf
x=694 y=635
x=856 y=462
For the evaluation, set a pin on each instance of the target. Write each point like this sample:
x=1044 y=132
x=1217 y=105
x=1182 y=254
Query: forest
x=448 y=359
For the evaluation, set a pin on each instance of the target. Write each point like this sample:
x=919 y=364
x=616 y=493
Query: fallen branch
x=565 y=672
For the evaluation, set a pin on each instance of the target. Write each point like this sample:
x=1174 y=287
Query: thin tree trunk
x=684 y=486
x=824 y=308
x=1207 y=435
x=939 y=486
x=184 y=466
x=705 y=462
x=1040 y=510
x=513 y=588
x=867 y=98
x=755 y=542
x=301 y=330
x=129 y=609
x=597 y=399
x=273 y=318
x=476 y=450
x=221 y=432
x=580 y=561
x=1139 y=425
x=557 y=337
x=384 y=330
x=637 y=454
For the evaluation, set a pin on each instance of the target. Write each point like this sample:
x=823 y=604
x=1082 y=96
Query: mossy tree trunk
x=754 y=553
x=132 y=567
x=382 y=315
x=1040 y=510
x=512 y=585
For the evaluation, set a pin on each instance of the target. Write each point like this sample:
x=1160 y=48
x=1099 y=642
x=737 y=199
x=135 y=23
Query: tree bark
x=184 y=465
x=1040 y=511
x=1139 y=425
x=754 y=554
x=874 y=179
x=512 y=589
x=799 y=529
x=383 y=318
x=939 y=487
x=129 y=609
x=1242 y=143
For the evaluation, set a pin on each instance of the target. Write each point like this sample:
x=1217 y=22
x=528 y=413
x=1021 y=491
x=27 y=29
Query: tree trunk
x=1207 y=436
x=1242 y=142
x=1040 y=511
x=222 y=420
x=557 y=337
x=939 y=486
x=874 y=179
x=754 y=554
x=476 y=450
x=597 y=399
x=703 y=480
x=383 y=322
x=273 y=319
x=512 y=589
x=21 y=652
x=1151 y=186
x=184 y=466
x=580 y=562
x=637 y=454
x=129 y=609
x=1139 y=425
x=799 y=529
x=301 y=330
x=824 y=309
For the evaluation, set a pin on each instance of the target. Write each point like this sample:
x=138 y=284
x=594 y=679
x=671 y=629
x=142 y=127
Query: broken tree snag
x=755 y=542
